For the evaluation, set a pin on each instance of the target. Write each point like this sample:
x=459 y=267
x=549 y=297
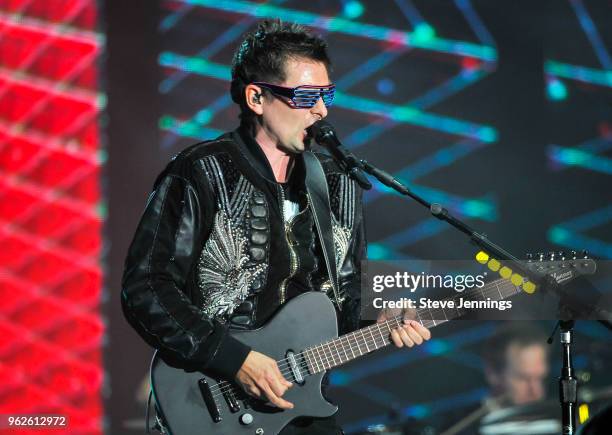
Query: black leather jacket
x=212 y=252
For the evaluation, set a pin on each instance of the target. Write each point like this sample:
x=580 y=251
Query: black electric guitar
x=303 y=338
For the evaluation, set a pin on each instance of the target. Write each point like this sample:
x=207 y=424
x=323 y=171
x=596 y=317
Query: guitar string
x=366 y=340
x=285 y=366
x=228 y=386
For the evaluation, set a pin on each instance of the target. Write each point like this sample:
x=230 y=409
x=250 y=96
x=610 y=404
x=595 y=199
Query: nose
x=319 y=109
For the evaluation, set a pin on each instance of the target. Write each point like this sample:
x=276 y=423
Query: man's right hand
x=259 y=376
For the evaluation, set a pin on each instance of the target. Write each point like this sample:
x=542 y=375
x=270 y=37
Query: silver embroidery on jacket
x=224 y=277
x=224 y=274
x=343 y=217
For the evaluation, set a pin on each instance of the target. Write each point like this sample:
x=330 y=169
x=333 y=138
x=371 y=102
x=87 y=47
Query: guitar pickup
x=295 y=368
x=209 y=400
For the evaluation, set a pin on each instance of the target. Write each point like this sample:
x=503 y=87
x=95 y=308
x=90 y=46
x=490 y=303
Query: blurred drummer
x=516 y=364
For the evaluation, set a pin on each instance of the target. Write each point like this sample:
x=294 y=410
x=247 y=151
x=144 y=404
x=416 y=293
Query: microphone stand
x=568 y=384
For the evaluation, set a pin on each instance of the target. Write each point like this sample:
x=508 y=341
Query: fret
x=456 y=306
x=419 y=317
x=382 y=337
x=373 y=339
x=434 y=313
x=433 y=321
x=337 y=351
x=348 y=358
x=309 y=364
x=315 y=361
x=498 y=290
x=320 y=359
x=432 y=317
x=365 y=341
x=344 y=345
x=331 y=354
x=350 y=346
x=356 y=337
x=339 y=341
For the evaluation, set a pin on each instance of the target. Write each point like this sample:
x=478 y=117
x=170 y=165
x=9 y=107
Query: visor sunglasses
x=304 y=96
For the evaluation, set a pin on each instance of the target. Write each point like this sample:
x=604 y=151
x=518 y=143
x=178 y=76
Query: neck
x=280 y=161
x=365 y=340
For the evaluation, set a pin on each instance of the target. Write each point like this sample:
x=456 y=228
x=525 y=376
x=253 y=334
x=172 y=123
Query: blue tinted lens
x=307 y=98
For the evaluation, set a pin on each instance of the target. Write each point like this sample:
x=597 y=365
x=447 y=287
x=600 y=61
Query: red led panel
x=51 y=331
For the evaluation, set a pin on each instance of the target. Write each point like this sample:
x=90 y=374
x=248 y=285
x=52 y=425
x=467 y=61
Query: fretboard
x=365 y=340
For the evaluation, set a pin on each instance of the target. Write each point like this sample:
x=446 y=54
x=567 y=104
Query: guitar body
x=305 y=321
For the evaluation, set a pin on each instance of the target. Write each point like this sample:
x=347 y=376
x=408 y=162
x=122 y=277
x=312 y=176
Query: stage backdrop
x=501 y=111
x=51 y=211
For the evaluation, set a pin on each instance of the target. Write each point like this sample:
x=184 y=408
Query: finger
x=413 y=334
x=396 y=338
x=281 y=403
x=405 y=337
x=423 y=331
x=277 y=386
x=282 y=379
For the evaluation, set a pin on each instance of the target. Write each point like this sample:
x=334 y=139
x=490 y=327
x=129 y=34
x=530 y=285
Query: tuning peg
x=574 y=254
x=585 y=254
x=561 y=255
x=551 y=255
x=529 y=257
x=540 y=256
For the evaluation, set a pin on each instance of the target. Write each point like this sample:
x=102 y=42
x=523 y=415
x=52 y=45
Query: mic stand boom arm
x=441 y=213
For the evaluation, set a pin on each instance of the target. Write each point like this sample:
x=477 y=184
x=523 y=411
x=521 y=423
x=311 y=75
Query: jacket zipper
x=292 y=253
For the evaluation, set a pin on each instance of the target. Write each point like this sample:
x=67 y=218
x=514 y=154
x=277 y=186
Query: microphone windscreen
x=320 y=129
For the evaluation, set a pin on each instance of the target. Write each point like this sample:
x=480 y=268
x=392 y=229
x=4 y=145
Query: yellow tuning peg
x=529 y=287
x=482 y=257
x=516 y=279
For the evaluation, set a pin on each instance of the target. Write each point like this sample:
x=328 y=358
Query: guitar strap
x=316 y=186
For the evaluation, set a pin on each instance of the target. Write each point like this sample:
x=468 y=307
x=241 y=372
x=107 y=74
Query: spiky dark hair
x=263 y=54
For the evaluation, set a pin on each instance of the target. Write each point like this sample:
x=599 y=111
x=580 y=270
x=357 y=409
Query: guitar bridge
x=209 y=400
x=231 y=400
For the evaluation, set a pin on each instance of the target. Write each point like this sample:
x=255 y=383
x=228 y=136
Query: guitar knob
x=561 y=255
x=540 y=256
x=585 y=254
x=529 y=257
x=574 y=254
x=551 y=256
x=246 y=419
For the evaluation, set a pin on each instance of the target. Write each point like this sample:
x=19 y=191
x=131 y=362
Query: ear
x=253 y=95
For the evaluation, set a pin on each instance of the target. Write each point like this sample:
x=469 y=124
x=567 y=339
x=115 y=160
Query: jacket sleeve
x=349 y=275
x=154 y=287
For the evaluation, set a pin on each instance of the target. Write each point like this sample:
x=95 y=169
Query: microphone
x=325 y=135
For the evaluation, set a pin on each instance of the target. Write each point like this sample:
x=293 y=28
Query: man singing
x=228 y=234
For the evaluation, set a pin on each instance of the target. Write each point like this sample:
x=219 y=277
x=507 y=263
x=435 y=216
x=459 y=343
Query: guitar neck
x=365 y=340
